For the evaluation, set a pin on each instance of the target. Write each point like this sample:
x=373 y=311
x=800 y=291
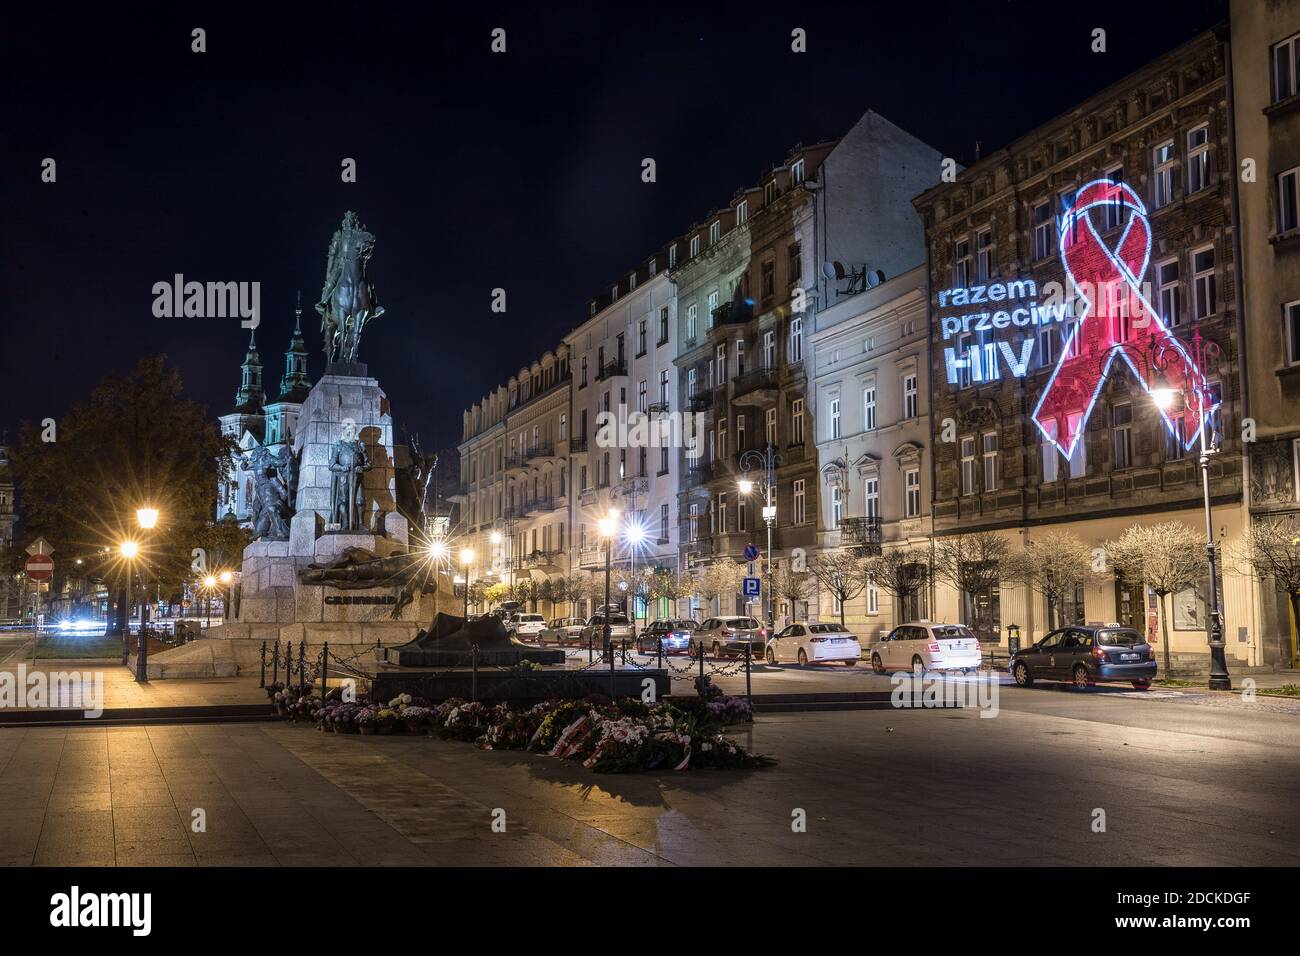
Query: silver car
x=729 y=636
x=621 y=630
x=562 y=630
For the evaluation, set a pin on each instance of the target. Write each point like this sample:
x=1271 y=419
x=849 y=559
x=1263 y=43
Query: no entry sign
x=40 y=567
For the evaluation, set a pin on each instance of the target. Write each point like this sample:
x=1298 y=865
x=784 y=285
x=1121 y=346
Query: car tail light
x=1098 y=653
x=818 y=640
x=933 y=647
x=762 y=632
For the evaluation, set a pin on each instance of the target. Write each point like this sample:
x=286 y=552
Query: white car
x=804 y=643
x=528 y=625
x=929 y=645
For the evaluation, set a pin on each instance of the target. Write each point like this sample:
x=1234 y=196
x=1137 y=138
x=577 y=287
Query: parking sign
x=751 y=587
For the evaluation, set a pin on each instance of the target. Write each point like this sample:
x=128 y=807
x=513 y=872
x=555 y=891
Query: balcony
x=578 y=444
x=733 y=313
x=540 y=559
x=591 y=558
x=540 y=505
x=610 y=369
x=863 y=534
x=545 y=450
x=701 y=400
x=756 y=387
x=516 y=462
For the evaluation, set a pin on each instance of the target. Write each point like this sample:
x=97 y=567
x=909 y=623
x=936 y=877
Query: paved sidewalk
x=122 y=691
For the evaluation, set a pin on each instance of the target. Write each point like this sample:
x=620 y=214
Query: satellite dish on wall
x=828 y=270
x=875 y=277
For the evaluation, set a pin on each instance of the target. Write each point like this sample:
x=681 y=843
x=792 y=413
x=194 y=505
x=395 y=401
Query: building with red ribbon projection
x=1084 y=337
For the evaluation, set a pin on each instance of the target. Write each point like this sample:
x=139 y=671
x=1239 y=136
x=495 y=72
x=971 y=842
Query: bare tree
x=1273 y=551
x=792 y=586
x=973 y=563
x=712 y=581
x=900 y=571
x=1055 y=564
x=843 y=573
x=671 y=586
x=1167 y=557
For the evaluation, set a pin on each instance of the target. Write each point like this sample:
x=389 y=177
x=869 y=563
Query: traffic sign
x=40 y=546
x=751 y=587
x=751 y=552
x=40 y=567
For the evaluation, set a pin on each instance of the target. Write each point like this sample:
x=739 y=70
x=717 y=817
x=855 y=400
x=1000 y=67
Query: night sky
x=475 y=170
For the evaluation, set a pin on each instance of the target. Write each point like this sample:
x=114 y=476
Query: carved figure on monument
x=348 y=464
x=273 y=481
x=413 y=484
x=347 y=301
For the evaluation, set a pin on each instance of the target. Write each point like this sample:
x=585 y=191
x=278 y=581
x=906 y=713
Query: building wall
x=1267 y=125
x=1122 y=126
x=872 y=345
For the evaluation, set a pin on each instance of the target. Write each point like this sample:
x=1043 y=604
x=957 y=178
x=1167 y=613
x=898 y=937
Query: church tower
x=246 y=426
x=282 y=414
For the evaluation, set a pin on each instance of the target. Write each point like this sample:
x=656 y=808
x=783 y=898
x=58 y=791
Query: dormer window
x=631 y=281
x=715 y=231
x=742 y=212
x=672 y=255
x=695 y=245
x=796 y=172
x=769 y=192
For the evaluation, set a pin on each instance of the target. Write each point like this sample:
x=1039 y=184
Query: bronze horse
x=348 y=301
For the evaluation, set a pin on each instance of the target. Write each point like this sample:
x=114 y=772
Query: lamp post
x=209 y=583
x=768 y=460
x=608 y=527
x=226 y=577
x=1203 y=353
x=129 y=550
x=466 y=559
x=147 y=518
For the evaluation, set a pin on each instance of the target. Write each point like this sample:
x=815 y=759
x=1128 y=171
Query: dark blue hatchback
x=1085 y=655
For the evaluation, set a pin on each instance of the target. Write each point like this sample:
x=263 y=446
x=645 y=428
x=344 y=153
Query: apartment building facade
x=1266 y=119
x=1159 y=143
x=871 y=393
x=751 y=278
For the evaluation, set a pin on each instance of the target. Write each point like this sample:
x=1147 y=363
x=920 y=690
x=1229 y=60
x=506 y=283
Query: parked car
x=929 y=645
x=1086 y=655
x=675 y=633
x=620 y=629
x=528 y=625
x=803 y=643
x=729 y=636
x=562 y=630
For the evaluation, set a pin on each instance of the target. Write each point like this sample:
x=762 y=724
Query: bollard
x=302 y=667
x=142 y=658
x=609 y=646
x=591 y=648
x=324 y=668
x=701 y=668
x=288 y=664
x=473 y=679
x=275 y=663
x=661 y=653
x=262 y=680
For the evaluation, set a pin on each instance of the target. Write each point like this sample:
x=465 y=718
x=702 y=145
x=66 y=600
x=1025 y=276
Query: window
x=715 y=231
x=1176 y=438
x=1046 y=345
x=713 y=306
x=742 y=212
x=1051 y=459
x=912 y=492
x=631 y=281
x=835 y=418
x=695 y=245
x=768 y=279
x=796 y=340
x=642 y=392
x=690 y=383
x=800 y=510
x=769 y=348
x=1198 y=158
x=740 y=357
x=796 y=421
x=871 y=497
x=1162 y=176
x=1044 y=231
x=1203 y=283
x=613 y=291
x=1170 y=298
x=720 y=365
x=837 y=507
x=909 y=396
x=564 y=426
x=1288 y=200
x=742 y=514
x=663 y=326
x=968 y=466
x=641 y=337
x=653 y=268
x=672 y=256
x=1121 y=421
x=1291 y=316
x=770 y=428
x=722 y=512
x=965 y=351
x=740 y=433
x=873 y=598
x=794 y=262
x=722 y=438
x=796 y=173
x=663 y=459
x=769 y=193
x=990 y=461
x=583 y=380
x=1115 y=210
x=663 y=387
x=1282 y=67
x=869 y=408
x=693 y=522
x=983 y=255
x=961 y=263
x=690 y=322
x=582 y=477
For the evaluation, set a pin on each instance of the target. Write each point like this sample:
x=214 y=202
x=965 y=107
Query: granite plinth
x=494 y=685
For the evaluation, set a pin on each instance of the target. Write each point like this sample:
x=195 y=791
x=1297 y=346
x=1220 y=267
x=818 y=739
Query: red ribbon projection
x=1117 y=320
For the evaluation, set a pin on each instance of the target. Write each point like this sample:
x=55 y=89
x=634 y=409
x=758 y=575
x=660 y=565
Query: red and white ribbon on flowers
x=1112 y=278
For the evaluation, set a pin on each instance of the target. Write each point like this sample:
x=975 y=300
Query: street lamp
x=209 y=584
x=768 y=460
x=608 y=527
x=1204 y=353
x=129 y=550
x=466 y=559
x=147 y=518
